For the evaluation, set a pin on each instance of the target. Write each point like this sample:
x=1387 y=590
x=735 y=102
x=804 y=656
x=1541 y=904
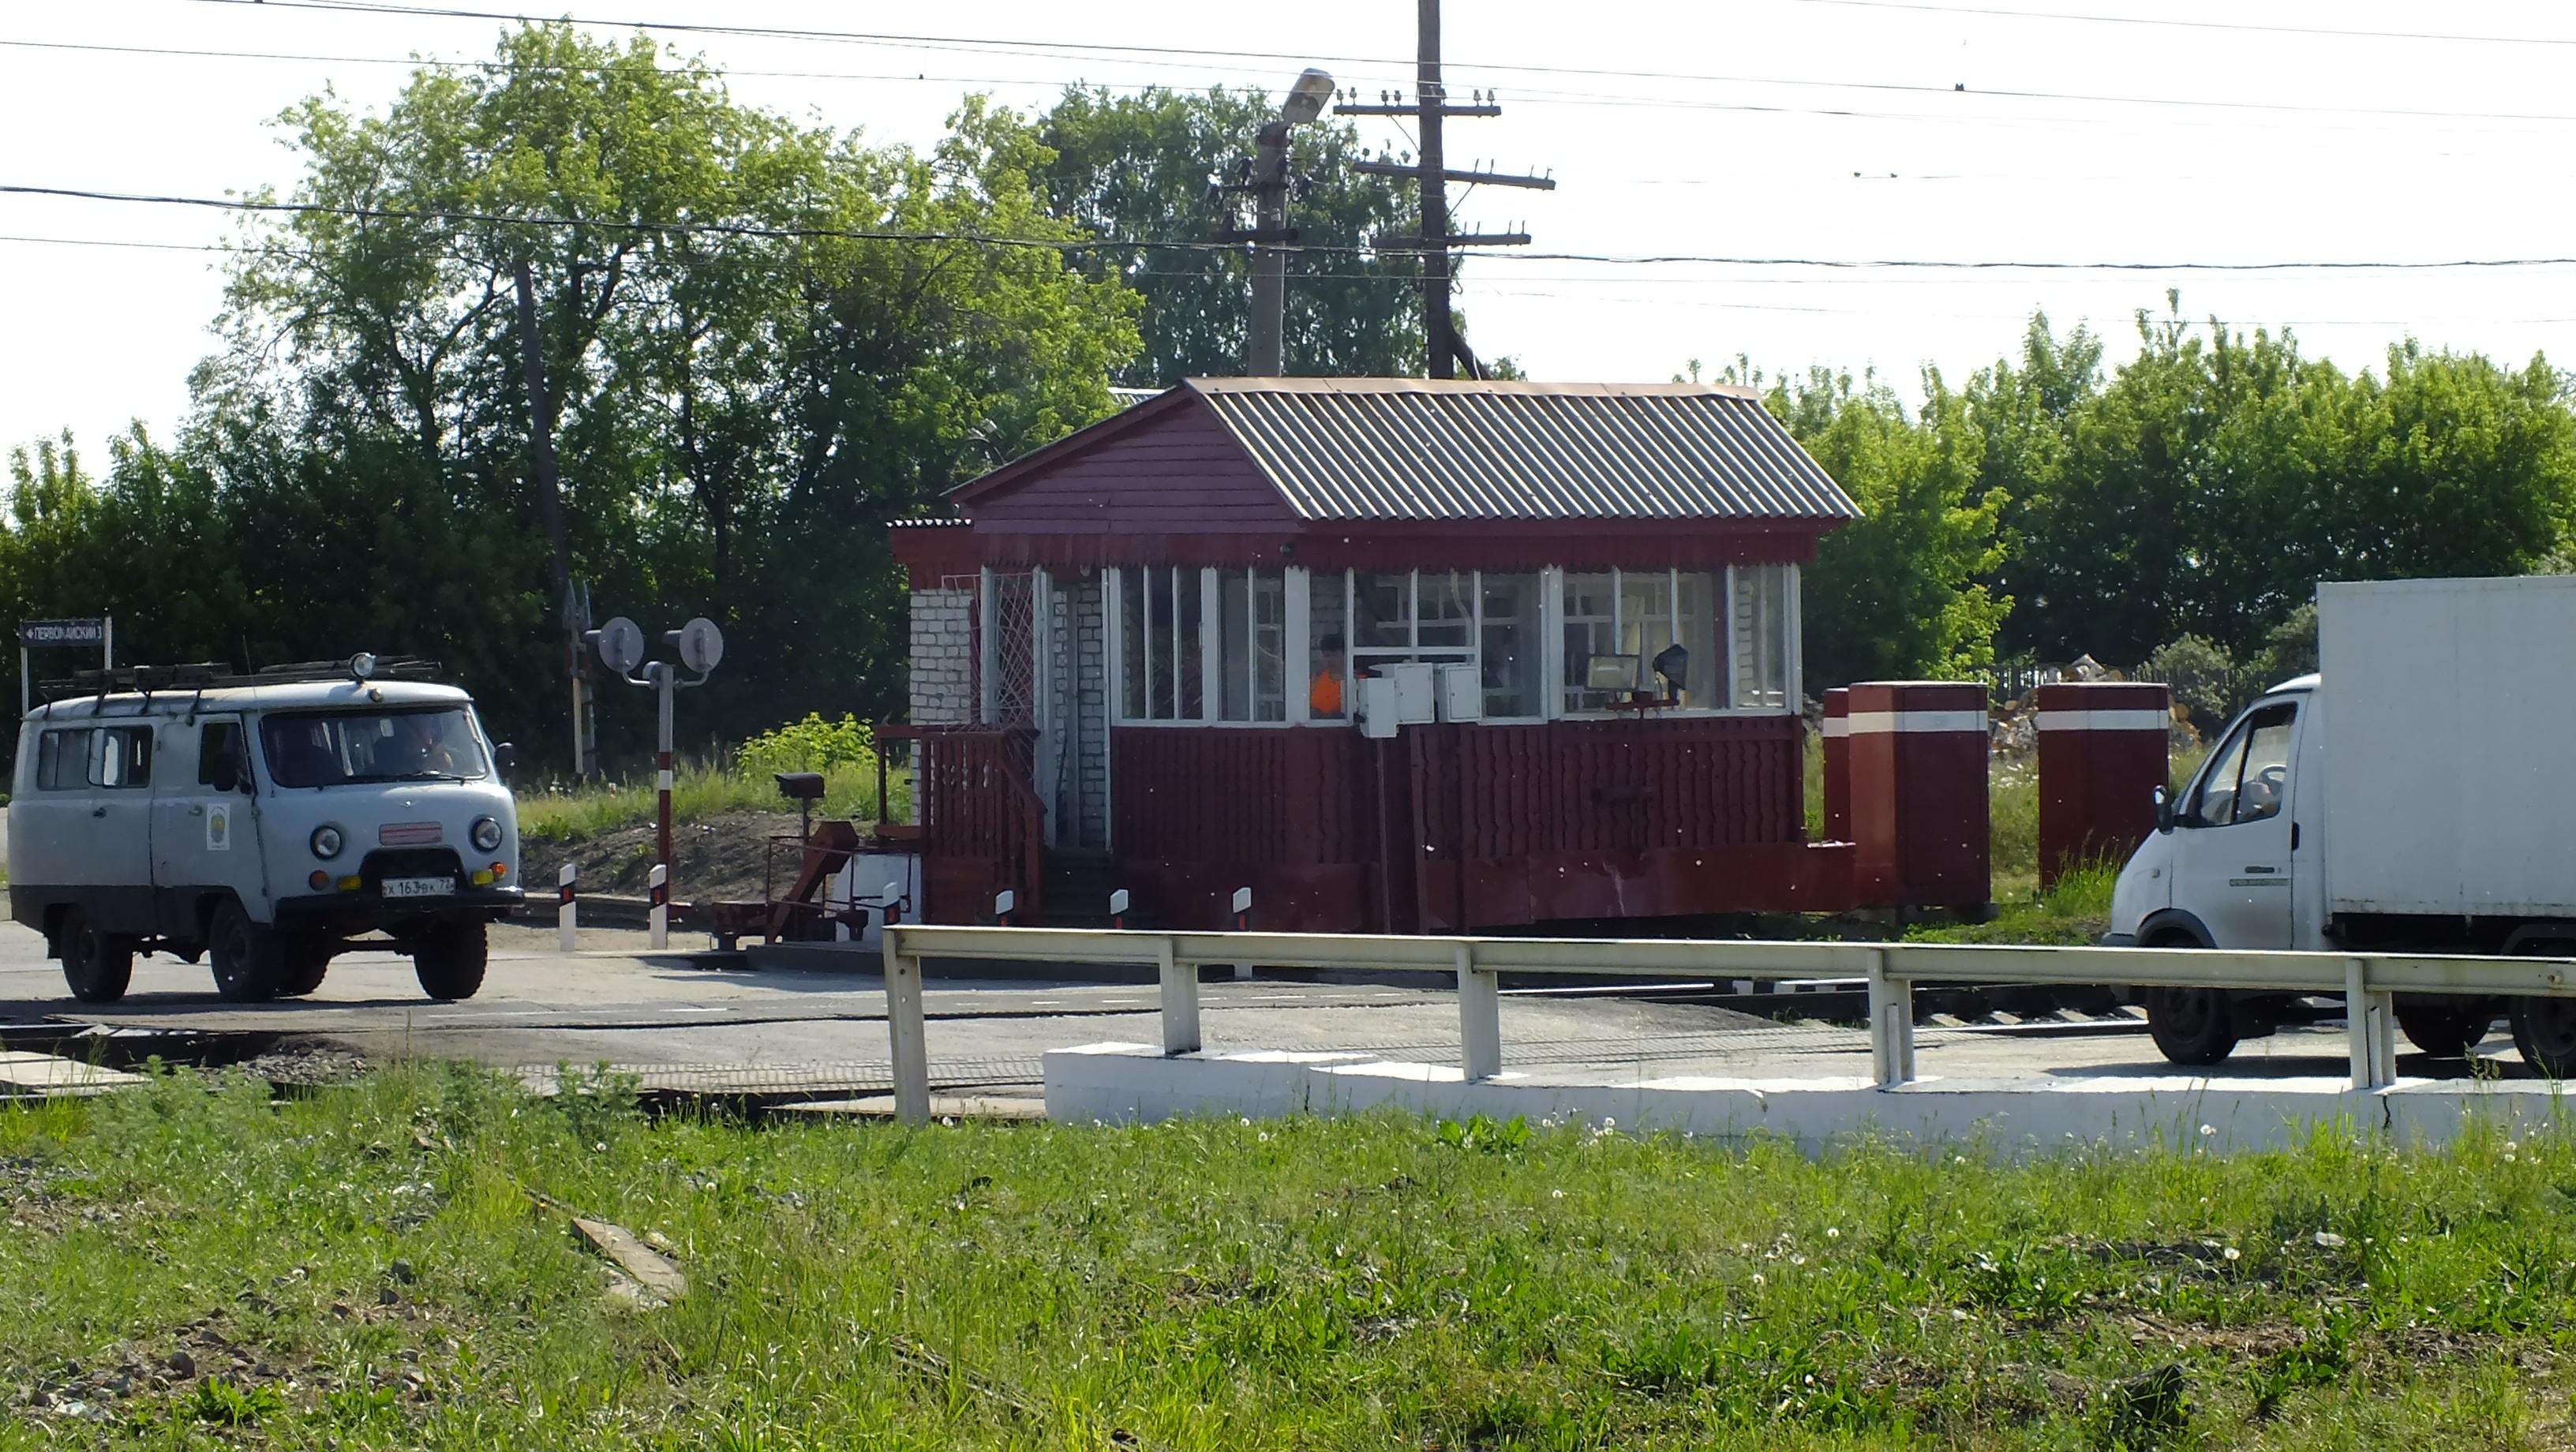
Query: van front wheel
x=2192 y=1025
x=449 y=958
x=244 y=955
x=98 y=967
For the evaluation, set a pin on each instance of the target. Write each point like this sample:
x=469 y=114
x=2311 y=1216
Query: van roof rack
x=209 y=675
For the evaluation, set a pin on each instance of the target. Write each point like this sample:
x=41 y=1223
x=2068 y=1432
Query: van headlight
x=327 y=842
x=486 y=834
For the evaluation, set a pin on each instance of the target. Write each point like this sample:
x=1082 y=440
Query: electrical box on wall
x=1398 y=695
x=1462 y=693
x=1377 y=707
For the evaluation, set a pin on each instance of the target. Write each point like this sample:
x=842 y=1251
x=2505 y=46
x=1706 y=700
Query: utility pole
x=1271 y=235
x=1430 y=107
x=541 y=455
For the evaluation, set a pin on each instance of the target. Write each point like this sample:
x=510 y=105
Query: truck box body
x=2450 y=757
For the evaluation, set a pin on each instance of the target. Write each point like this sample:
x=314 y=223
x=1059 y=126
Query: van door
x=2233 y=867
x=204 y=843
x=117 y=849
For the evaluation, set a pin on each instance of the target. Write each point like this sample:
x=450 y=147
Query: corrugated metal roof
x=1420 y=449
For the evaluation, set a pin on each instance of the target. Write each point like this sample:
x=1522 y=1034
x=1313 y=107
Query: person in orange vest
x=1324 y=697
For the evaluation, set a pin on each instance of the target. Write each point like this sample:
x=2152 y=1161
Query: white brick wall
x=943 y=657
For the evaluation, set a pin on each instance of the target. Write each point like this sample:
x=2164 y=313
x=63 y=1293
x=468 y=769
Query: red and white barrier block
x=2102 y=754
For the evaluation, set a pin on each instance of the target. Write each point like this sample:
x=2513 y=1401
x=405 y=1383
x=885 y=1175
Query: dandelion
x=2230 y=1253
x=1556 y=1194
x=2328 y=1240
x=2207 y=1130
x=1833 y=1232
x=1247 y=1121
x=1958 y=1159
x=1758 y=1280
x=2510 y=1146
x=1797 y=1260
x=601 y=1147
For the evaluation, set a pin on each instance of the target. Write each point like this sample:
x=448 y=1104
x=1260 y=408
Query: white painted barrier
x=567 y=927
x=2365 y=981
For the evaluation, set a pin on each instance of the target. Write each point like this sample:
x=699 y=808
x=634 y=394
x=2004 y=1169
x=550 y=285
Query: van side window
x=218 y=742
x=2248 y=774
x=59 y=759
x=121 y=756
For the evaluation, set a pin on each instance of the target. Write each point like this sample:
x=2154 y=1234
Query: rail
x=2366 y=981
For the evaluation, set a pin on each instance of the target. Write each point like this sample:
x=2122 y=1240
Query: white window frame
x=1298 y=584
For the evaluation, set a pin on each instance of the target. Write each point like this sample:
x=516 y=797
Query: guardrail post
x=1891 y=1024
x=567 y=932
x=1480 y=1016
x=1180 y=1000
x=2369 y=1028
x=903 y=1029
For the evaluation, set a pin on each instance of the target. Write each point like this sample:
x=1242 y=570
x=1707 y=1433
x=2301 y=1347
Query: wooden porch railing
x=978 y=806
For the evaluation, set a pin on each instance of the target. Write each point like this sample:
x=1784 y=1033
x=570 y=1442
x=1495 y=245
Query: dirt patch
x=306 y=1065
x=721 y=858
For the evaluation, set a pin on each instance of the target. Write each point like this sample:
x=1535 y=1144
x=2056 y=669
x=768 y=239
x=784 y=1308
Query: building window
x=1514 y=666
x=1591 y=624
x=1198 y=645
x=1762 y=625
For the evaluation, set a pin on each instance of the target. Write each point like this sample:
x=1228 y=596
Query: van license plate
x=420 y=887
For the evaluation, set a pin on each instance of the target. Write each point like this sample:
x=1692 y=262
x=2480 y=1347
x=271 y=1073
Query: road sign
x=621 y=645
x=701 y=644
x=62 y=632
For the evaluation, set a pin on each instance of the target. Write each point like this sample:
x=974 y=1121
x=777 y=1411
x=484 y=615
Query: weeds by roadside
x=369 y=1266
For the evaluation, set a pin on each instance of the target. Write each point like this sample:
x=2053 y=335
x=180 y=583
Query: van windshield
x=319 y=749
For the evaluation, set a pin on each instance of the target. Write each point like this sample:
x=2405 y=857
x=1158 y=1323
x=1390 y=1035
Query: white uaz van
x=262 y=822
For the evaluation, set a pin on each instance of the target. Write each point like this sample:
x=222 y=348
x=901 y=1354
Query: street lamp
x=1302 y=105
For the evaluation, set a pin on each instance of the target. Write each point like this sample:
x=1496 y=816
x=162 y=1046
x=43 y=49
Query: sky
x=1804 y=131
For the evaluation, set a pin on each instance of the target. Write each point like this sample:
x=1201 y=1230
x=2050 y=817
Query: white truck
x=261 y=823
x=2418 y=794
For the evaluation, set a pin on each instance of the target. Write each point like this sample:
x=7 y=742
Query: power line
x=1069 y=245
x=2234 y=25
x=1105 y=51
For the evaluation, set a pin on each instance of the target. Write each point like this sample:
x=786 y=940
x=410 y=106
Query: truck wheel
x=2192 y=1025
x=305 y=964
x=449 y=958
x=2545 y=1030
x=244 y=955
x=97 y=966
x=2441 y=1031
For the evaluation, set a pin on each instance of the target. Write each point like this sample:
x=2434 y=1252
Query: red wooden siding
x=1491 y=825
x=982 y=828
x=1175 y=474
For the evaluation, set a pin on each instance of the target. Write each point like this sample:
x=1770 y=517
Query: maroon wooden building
x=1393 y=654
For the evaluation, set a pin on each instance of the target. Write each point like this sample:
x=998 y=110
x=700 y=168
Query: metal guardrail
x=2366 y=981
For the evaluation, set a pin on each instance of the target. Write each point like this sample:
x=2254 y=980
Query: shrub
x=2201 y=675
x=813 y=744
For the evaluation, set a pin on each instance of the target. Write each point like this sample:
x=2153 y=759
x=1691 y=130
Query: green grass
x=366 y=1267
x=2075 y=910
x=697 y=792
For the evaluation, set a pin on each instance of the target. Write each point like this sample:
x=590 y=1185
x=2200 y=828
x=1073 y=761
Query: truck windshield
x=319 y=749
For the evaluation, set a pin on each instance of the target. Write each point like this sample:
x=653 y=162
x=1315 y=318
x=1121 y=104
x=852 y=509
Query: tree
x=1896 y=593
x=748 y=377
x=1145 y=167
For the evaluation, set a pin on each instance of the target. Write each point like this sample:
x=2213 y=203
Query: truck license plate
x=420 y=887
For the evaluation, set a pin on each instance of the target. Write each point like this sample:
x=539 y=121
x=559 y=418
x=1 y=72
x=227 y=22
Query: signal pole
x=1444 y=349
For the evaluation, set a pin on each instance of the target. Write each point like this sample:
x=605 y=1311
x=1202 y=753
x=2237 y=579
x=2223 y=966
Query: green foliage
x=2202 y=676
x=1146 y=165
x=356 y=472
x=812 y=744
x=1896 y=594
x=377 y=1254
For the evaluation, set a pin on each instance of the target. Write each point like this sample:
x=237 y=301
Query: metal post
x=903 y=1030
x=1891 y=1024
x=657 y=913
x=566 y=928
x=1480 y=1016
x=663 y=675
x=2362 y=1028
x=1432 y=98
x=23 y=703
x=107 y=641
x=1269 y=258
x=1180 y=1001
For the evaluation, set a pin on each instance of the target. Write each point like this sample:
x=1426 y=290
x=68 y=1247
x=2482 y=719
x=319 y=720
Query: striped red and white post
x=1918 y=793
x=567 y=930
x=2102 y=754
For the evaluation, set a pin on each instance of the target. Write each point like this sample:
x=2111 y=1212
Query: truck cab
x=263 y=824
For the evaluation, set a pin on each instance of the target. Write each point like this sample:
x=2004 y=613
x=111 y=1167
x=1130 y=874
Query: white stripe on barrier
x=665 y=782
x=1873 y=723
x=2101 y=720
x=1836 y=727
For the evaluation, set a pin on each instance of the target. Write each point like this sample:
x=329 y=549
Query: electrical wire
x=1072 y=245
x=2256 y=27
